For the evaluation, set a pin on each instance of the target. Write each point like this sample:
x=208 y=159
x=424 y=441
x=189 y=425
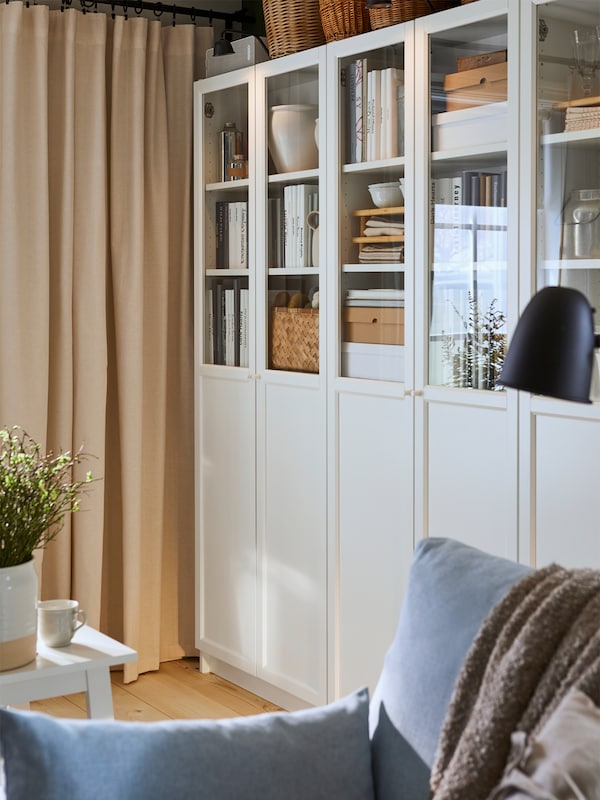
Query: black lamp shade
x=552 y=349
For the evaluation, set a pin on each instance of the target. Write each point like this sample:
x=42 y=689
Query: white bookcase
x=315 y=482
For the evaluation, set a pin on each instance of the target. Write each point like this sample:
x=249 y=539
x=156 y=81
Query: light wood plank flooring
x=177 y=691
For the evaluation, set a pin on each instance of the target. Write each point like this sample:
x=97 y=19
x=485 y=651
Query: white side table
x=83 y=666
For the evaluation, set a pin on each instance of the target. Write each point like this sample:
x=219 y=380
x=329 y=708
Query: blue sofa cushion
x=451 y=589
x=320 y=753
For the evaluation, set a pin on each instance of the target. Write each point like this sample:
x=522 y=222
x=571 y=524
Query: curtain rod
x=158 y=9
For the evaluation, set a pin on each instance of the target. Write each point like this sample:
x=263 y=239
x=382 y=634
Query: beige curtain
x=96 y=301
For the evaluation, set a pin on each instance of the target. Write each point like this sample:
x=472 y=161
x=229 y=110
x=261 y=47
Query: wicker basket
x=292 y=25
x=295 y=339
x=343 y=18
x=403 y=10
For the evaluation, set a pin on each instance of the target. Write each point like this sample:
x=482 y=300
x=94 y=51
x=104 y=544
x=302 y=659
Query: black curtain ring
x=158 y=10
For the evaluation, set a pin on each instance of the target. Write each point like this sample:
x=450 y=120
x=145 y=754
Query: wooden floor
x=177 y=691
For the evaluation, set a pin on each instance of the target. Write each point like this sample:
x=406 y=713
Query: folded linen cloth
x=380 y=231
x=538 y=642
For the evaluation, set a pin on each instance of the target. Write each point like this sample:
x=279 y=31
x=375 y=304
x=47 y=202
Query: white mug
x=58 y=620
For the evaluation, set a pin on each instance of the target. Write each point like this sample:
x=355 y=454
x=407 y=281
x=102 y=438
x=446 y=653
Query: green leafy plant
x=476 y=356
x=37 y=490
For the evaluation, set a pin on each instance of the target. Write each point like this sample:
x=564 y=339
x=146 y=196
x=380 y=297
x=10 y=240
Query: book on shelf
x=275 y=237
x=470 y=188
x=350 y=82
x=218 y=322
x=238 y=235
x=210 y=330
x=231 y=234
x=378 y=96
x=222 y=234
x=373 y=114
x=360 y=103
x=227 y=323
x=244 y=312
x=229 y=329
x=298 y=201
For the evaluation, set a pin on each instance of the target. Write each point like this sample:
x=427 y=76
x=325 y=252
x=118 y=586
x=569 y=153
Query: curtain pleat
x=96 y=302
x=24 y=231
x=178 y=552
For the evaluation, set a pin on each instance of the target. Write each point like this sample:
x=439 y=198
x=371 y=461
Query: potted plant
x=37 y=490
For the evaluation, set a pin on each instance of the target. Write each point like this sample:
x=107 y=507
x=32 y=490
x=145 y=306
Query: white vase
x=18 y=615
x=292 y=137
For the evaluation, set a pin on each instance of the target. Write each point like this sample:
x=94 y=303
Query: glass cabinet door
x=292 y=207
x=372 y=218
x=224 y=166
x=467 y=284
x=568 y=118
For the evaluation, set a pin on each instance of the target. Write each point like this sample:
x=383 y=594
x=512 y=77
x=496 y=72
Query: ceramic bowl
x=292 y=137
x=385 y=195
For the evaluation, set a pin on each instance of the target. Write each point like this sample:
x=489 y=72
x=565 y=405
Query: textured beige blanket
x=540 y=640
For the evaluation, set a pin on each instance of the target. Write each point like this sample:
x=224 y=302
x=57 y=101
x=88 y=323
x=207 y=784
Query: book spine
x=360 y=124
x=244 y=313
x=209 y=329
x=221 y=213
x=229 y=329
x=351 y=94
x=237 y=288
x=244 y=235
x=218 y=318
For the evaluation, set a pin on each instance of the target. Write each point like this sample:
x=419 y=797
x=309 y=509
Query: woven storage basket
x=295 y=339
x=292 y=25
x=343 y=18
x=403 y=10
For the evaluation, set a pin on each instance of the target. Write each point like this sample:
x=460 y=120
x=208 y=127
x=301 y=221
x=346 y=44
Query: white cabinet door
x=292 y=533
x=470 y=474
x=375 y=531
x=226 y=569
x=567 y=501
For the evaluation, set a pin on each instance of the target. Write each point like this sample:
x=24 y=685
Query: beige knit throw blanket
x=540 y=640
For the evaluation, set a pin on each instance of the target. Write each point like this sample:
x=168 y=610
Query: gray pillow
x=305 y=755
x=451 y=589
x=565 y=754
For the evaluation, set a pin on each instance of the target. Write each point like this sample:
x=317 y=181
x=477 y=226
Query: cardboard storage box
x=480 y=60
x=475 y=87
x=373 y=324
x=380 y=362
x=482 y=125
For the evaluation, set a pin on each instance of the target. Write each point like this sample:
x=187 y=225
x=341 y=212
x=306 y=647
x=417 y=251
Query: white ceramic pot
x=292 y=137
x=18 y=615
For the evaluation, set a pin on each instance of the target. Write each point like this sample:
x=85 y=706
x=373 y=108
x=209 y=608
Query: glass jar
x=237 y=168
x=581 y=224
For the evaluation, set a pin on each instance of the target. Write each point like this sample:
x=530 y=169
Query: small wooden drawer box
x=475 y=87
x=373 y=325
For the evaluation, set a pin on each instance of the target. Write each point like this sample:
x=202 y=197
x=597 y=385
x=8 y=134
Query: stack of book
x=298 y=201
x=227 y=323
x=470 y=188
x=232 y=234
x=582 y=118
x=375 y=103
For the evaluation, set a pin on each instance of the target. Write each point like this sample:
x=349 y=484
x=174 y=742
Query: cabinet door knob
x=417 y=392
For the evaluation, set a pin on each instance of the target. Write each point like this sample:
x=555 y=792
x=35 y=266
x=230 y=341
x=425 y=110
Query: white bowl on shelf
x=292 y=137
x=386 y=195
